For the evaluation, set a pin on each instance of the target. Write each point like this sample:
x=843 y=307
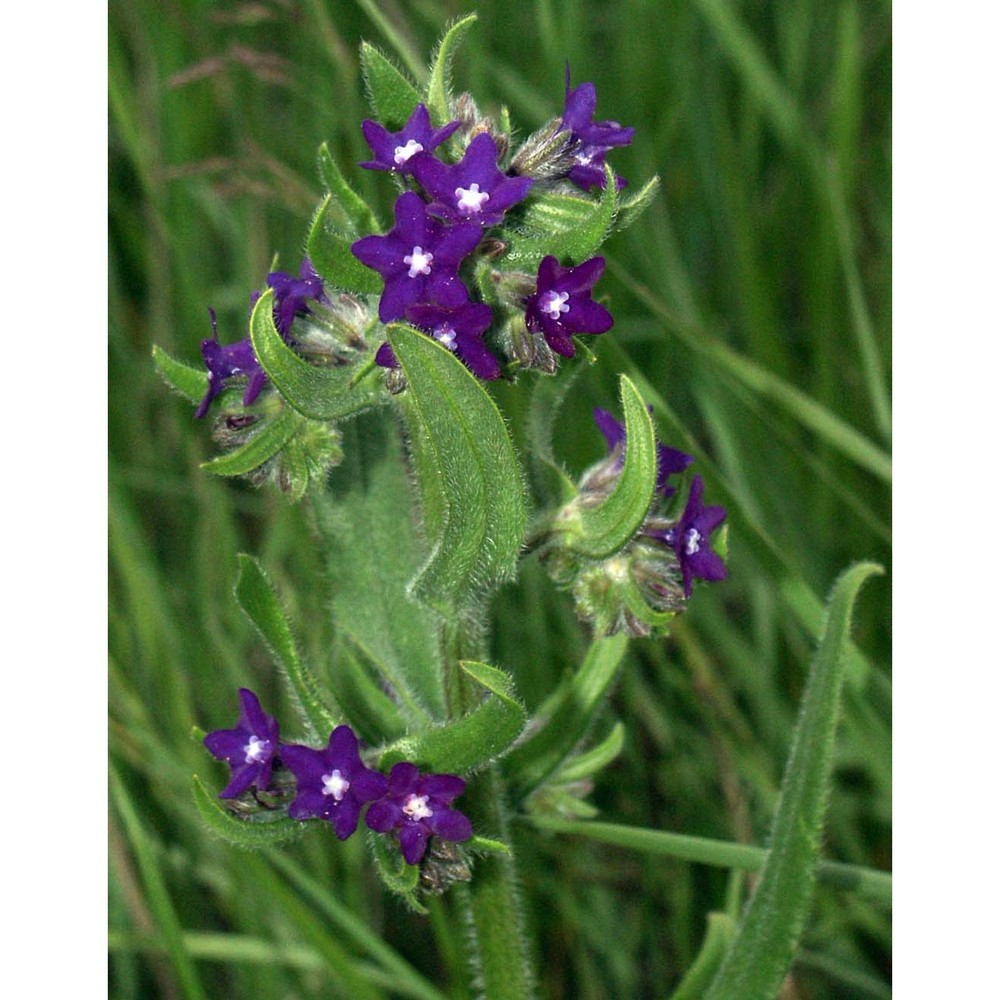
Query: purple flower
x=460 y=330
x=561 y=305
x=419 y=806
x=226 y=362
x=595 y=138
x=473 y=189
x=689 y=538
x=669 y=461
x=332 y=784
x=418 y=259
x=292 y=294
x=394 y=150
x=249 y=749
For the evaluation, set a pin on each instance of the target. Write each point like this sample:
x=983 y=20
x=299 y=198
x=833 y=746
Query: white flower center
x=416 y=807
x=335 y=784
x=554 y=303
x=256 y=750
x=420 y=262
x=402 y=153
x=471 y=199
x=445 y=334
x=584 y=159
x=692 y=541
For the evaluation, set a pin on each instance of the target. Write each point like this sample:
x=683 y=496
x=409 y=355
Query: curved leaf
x=568 y=227
x=330 y=253
x=190 y=382
x=354 y=207
x=265 y=444
x=471 y=741
x=765 y=941
x=468 y=454
x=257 y=597
x=569 y=714
x=709 y=958
x=317 y=393
x=601 y=530
x=439 y=85
x=250 y=834
x=593 y=760
x=392 y=97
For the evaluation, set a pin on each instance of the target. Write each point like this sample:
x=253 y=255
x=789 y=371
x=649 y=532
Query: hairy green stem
x=502 y=964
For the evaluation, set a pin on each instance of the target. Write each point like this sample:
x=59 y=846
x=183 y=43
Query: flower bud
x=546 y=154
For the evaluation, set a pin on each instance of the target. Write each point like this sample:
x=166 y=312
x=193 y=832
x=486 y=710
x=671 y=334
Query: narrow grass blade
x=762 y=950
x=160 y=904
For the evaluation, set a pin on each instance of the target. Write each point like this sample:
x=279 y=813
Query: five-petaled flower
x=669 y=461
x=474 y=189
x=689 y=538
x=561 y=304
x=418 y=259
x=595 y=139
x=292 y=295
x=249 y=748
x=225 y=362
x=394 y=150
x=460 y=330
x=418 y=806
x=332 y=784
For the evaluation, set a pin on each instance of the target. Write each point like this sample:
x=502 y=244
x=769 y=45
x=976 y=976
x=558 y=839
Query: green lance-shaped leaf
x=439 y=86
x=373 y=549
x=466 y=450
x=330 y=252
x=250 y=834
x=706 y=964
x=263 y=445
x=631 y=207
x=588 y=763
x=354 y=207
x=392 y=97
x=568 y=716
x=601 y=530
x=568 y=227
x=472 y=741
x=190 y=382
x=317 y=393
x=765 y=941
x=257 y=597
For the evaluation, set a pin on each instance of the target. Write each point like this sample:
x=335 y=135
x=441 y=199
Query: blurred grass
x=752 y=298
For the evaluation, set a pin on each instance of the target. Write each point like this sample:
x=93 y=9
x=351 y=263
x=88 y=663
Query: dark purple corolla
x=561 y=305
x=418 y=259
x=473 y=189
x=332 y=783
x=394 y=150
x=418 y=806
x=596 y=139
x=292 y=295
x=249 y=748
x=460 y=330
x=669 y=461
x=690 y=539
x=225 y=362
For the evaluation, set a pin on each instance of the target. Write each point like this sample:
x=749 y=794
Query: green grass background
x=752 y=298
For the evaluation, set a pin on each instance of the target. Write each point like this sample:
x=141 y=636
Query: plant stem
x=502 y=965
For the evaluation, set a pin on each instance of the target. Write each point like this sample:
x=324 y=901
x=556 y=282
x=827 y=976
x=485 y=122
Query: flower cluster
x=334 y=784
x=237 y=360
x=448 y=213
x=638 y=589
